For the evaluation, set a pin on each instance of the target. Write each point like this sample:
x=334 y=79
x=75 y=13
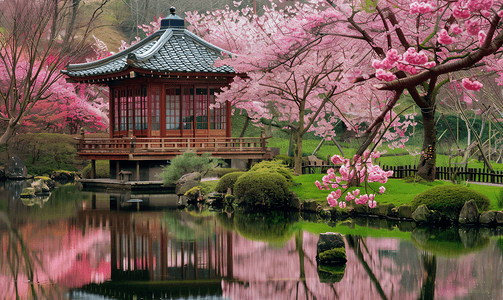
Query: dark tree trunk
x=426 y=166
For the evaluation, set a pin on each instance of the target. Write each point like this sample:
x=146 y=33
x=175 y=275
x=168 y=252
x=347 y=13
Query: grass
x=397 y=192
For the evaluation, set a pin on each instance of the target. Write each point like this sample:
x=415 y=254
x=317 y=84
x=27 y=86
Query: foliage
x=450 y=199
x=208 y=186
x=102 y=169
x=220 y=172
x=229 y=199
x=188 y=162
x=274 y=166
x=262 y=189
x=227 y=181
x=352 y=172
x=285 y=159
x=44 y=153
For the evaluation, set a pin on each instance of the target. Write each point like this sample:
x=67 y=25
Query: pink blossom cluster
x=360 y=169
x=421 y=7
x=410 y=62
x=471 y=85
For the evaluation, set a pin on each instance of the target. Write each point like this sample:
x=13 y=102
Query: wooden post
x=117 y=170
x=137 y=170
x=93 y=169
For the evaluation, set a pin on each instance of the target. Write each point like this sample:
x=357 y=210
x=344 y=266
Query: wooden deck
x=132 y=148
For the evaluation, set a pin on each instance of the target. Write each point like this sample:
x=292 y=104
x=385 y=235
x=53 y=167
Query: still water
x=84 y=245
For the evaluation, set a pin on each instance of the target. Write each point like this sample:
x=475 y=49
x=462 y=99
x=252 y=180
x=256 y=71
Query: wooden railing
x=170 y=145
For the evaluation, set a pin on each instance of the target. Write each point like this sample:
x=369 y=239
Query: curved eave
x=143 y=57
x=108 y=78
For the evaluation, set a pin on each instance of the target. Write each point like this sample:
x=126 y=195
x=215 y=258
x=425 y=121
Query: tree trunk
x=245 y=125
x=426 y=166
x=298 y=154
x=7 y=134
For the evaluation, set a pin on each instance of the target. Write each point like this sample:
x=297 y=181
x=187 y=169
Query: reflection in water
x=84 y=244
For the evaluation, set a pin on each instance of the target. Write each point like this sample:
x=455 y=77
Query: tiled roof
x=167 y=50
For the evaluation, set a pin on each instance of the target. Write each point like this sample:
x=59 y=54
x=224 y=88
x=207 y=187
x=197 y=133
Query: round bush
x=262 y=189
x=275 y=166
x=450 y=199
x=227 y=181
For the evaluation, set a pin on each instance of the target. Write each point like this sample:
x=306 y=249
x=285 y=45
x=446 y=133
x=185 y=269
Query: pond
x=75 y=244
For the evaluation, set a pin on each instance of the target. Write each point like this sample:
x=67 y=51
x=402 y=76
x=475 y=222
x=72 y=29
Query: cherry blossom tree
x=294 y=75
x=38 y=38
x=413 y=46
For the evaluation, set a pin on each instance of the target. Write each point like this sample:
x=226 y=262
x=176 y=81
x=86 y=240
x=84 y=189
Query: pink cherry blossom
x=372 y=204
x=382 y=189
x=385 y=75
x=421 y=7
x=444 y=38
x=471 y=85
x=342 y=204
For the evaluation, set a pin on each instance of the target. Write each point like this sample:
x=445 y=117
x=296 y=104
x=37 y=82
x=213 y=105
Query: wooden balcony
x=132 y=148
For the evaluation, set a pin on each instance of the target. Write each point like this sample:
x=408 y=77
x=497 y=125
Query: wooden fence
x=457 y=173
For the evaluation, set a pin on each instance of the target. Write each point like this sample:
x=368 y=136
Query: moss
x=449 y=199
x=193 y=193
x=227 y=181
x=331 y=273
x=262 y=189
x=333 y=255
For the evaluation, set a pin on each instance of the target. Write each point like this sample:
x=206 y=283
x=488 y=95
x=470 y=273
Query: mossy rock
x=384 y=210
x=193 y=193
x=227 y=181
x=449 y=200
x=331 y=273
x=333 y=256
x=28 y=192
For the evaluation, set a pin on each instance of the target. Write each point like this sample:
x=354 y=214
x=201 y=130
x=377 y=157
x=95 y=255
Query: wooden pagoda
x=161 y=95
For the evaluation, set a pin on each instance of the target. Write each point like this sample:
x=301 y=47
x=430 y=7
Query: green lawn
x=397 y=192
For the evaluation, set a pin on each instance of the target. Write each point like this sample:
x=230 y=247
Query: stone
x=499 y=217
x=469 y=236
x=359 y=209
x=294 y=201
x=63 y=176
x=330 y=240
x=330 y=274
x=28 y=192
x=16 y=169
x=384 y=210
x=186 y=182
x=40 y=186
x=421 y=214
x=469 y=213
x=488 y=217
x=420 y=235
x=404 y=212
x=406 y=226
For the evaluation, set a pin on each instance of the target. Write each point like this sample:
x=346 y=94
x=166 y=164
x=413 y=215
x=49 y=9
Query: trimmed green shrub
x=262 y=189
x=220 y=172
x=186 y=163
x=227 y=181
x=102 y=169
x=275 y=166
x=449 y=199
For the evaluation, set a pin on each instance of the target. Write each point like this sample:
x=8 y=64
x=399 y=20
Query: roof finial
x=172 y=10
